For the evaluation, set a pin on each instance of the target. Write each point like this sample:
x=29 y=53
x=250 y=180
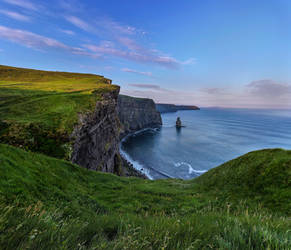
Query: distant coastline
x=167 y=108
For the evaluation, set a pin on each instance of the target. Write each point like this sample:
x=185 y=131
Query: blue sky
x=209 y=53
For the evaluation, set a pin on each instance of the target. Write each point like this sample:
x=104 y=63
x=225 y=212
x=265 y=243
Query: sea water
x=211 y=136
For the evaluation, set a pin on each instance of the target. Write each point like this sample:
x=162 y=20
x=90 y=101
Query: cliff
x=71 y=116
x=166 y=108
x=96 y=137
x=137 y=113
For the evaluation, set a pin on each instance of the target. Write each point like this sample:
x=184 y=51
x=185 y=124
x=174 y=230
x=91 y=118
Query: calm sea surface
x=211 y=137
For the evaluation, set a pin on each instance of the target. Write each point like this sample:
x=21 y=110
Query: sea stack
x=178 y=123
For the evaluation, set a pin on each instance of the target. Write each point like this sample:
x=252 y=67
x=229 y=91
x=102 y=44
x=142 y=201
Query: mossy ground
x=48 y=203
x=39 y=109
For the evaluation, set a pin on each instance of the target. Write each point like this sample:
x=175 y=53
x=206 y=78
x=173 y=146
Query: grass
x=39 y=109
x=46 y=203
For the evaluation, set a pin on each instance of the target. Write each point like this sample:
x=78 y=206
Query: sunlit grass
x=47 y=203
x=41 y=107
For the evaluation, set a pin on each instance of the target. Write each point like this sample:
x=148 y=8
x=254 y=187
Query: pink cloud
x=36 y=41
x=15 y=15
x=78 y=23
x=23 y=3
x=137 y=55
x=68 y=32
x=123 y=43
x=116 y=27
x=129 y=43
x=145 y=86
x=269 y=88
x=137 y=72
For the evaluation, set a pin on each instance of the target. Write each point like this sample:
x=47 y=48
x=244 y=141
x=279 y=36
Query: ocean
x=211 y=136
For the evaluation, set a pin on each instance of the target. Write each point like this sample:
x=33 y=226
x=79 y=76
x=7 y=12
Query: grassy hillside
x=263 y=176
x=47 y=203
x=38 y=109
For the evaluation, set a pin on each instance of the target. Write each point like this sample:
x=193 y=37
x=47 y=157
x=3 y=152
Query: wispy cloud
x=145 y=86
x=96 y=68
x=23 y=4
x=122 y=40
x=68 y=32
x=140 y=56
x=78 y=22
x=123 y=43
x=15 y=15
x=269 y=88
x=39 y=42
x=116 y=27
x=189 y=61
x=137 y=72
x=71 y=5
x=259 y=94
x=129 y=43
x=29 y=39
x=213 y=91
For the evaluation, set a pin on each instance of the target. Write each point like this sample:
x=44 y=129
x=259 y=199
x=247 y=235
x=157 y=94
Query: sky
x=199 y=52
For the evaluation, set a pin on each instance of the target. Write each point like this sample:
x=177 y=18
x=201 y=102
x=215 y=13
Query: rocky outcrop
x=178 y=123
x=167 y=108
x=137 y=113
x=96 y=143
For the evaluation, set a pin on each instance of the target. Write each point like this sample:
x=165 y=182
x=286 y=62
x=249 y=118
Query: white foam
x=135 y=164
x=190 y=168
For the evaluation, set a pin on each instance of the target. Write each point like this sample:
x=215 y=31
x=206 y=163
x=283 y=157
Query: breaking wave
x=191 y=170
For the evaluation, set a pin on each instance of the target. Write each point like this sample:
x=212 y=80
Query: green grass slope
x=38 y=109
x=46 y=203
x=262 y=176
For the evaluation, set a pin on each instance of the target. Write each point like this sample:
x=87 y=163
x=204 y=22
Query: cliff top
x=44 y=105
x=31 y=79
x=63 y=204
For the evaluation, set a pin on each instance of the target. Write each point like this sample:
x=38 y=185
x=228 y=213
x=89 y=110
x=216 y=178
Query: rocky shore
x=129 y=170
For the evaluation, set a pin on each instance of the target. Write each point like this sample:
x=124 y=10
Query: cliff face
x=97 y=136
x=166 y=108
x=137 y=113
x=96 y=143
